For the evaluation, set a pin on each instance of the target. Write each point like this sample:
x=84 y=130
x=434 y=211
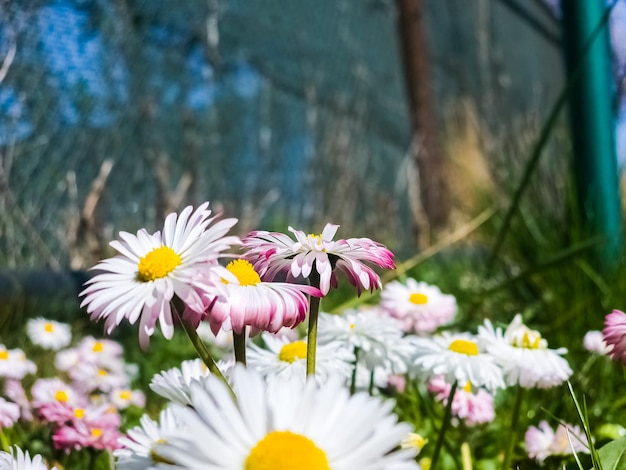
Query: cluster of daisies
x=76 y=394
x=286 y=393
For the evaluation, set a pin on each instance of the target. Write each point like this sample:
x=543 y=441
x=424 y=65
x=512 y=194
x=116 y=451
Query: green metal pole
x=593 y=123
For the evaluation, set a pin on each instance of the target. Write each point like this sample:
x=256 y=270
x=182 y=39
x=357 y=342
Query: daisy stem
x=4 y=442
x=311 y=340
x=353 y=378
x=239 y=341
x=444 y=426
x=202 y=351
x=371 y=387
x=510 y=445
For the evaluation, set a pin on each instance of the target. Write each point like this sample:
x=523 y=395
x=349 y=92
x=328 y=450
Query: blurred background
x=400 y=120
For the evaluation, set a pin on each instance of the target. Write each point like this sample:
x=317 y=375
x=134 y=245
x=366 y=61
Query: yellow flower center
x=468 y=387
x=352 y=326
x=102 y=372
x=292 y=351
x=413 y=441
x=418 y=299
x=157 y=264
x=96 y=432
x=79 y=413
x=48 y=328
x=284 y=450
x=125 y=395
x=97 y=347
x=244 y=272
x=529 y=339
x=463 y=346
x=156 y=458
x=4 y=355
x=61 y=396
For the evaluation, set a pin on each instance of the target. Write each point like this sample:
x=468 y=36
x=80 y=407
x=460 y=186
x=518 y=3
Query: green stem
x=371 y=387
x=4 y=442
x=239 y=341
x=311 y=340
x=444 y=426
x=356 y=363
x=510 y=445
x=202 y=351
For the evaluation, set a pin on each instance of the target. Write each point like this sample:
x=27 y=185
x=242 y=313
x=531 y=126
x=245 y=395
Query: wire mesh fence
x=115 y=112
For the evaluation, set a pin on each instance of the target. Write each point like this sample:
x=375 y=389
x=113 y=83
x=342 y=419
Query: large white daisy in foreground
x=524 y=355
x=273 y=253
x=152 y=269
x=286 y=425
x=456 y=357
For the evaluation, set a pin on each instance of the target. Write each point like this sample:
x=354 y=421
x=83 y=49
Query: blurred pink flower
x=96 y=427
x=273 y=253
x=419 y=307
x=542 y=441
x=473 y=408
x=9 y=413
x=15 y=392
x=615 y=334
x=594 y=342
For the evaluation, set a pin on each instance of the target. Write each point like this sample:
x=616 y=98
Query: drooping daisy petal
x=265 y=306
x=273 y=253
x=152 y=268
x=287 y=425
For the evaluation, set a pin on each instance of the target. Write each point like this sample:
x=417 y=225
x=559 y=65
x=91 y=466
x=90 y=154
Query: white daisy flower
x=377 y=339
x=48 y=334
x=419 y=307
x=457 y=357
x=174 y=384
x=14 y=364
x=152 y=269
x=524 y=355
x=285 y=424
x=287 y=359
x=138 y=453
x=17 y=459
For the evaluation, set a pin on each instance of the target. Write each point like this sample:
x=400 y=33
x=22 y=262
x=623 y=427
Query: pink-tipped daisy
x=264 y=306
x=151 y=269
x=273 y=253
x=615 y=334
x=419 y=307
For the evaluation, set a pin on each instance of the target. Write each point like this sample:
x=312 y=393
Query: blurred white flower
x=49 y=334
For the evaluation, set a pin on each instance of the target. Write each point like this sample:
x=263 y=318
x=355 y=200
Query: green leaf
x=613 y=455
